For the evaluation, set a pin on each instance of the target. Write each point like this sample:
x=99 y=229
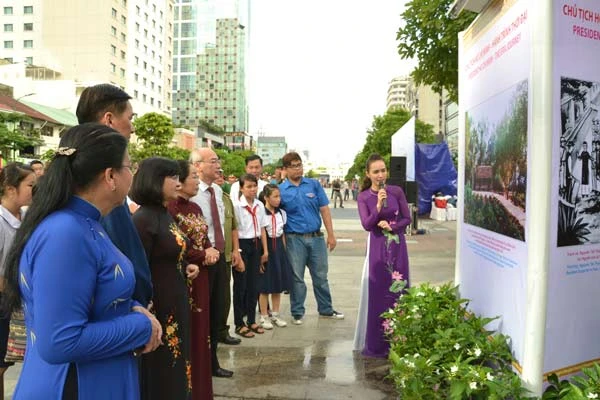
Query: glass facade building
x=209 y=57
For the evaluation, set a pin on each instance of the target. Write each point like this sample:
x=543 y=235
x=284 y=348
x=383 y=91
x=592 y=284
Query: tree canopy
x=15 y=134
x=155 y=136
x=379 y=138
x=431 y=36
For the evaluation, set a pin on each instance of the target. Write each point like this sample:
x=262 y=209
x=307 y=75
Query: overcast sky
x=319 y=71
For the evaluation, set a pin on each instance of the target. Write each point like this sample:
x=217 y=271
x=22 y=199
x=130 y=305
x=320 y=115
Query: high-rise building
x=89 y=42
x=150 y=54
x=209 y=64
x=400 y=93
x=271 y=148
x=421 y=101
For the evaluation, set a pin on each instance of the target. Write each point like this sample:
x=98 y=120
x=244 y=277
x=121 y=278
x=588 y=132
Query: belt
x=310 y=234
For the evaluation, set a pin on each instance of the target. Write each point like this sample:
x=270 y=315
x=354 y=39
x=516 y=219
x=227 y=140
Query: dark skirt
x=278 y=272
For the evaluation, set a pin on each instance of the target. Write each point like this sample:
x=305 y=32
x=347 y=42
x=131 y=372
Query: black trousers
x=245 y=293
x=216 y=281
x=226 y=289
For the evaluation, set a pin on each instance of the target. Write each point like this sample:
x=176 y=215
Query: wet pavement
x=315 y=360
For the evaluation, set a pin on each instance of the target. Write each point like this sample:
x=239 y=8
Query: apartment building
x=76 y=44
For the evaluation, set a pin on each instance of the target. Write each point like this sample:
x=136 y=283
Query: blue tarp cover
x=434 y=172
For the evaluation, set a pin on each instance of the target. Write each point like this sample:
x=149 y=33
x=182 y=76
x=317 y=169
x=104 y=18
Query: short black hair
x=12 y=175
x=252 y=158
x=99 y=99
x=289 y=158
x=147 y=187
x=34 y=162
x=184 y=169
x=247 y=178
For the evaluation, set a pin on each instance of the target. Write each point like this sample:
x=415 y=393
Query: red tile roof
x=9 y=104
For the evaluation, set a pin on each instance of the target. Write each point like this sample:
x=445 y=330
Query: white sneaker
x=279 y=322
x=297 y=321
x=265 y=323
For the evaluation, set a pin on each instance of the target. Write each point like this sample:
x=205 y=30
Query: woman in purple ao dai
x=381 y=208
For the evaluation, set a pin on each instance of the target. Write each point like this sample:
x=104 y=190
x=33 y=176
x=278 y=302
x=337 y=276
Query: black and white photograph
x=579 y=171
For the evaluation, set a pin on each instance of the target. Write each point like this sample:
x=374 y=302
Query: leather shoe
x=222 y=373
x=230 y=340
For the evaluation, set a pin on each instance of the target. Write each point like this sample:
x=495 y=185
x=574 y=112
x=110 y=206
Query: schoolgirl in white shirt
x=250 y=215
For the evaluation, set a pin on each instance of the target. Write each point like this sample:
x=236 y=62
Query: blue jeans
x=308 y=252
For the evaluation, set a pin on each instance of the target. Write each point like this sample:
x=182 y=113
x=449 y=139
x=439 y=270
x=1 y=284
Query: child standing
x=275 y=278
x=250 y=215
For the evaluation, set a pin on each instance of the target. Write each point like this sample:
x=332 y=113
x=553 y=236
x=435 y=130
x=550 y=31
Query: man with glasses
x=210 y=200
x=306 y=203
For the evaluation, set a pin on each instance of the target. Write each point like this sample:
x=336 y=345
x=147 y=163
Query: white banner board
x=573 y=312
x=494 y=70
x=403 y=145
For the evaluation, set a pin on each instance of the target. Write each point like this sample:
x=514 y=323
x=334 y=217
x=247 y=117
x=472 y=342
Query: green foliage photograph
x=496 y=162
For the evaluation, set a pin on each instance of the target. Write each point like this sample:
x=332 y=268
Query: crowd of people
x=124 y=278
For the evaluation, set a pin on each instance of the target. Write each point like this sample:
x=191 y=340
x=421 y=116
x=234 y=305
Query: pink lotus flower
x=386 y=324
x=397 y=276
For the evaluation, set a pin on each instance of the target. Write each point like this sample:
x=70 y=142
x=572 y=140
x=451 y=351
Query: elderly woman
x=83 y=327
x=167 y=372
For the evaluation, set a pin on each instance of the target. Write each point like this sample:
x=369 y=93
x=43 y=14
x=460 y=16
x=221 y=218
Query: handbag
x=17 y=337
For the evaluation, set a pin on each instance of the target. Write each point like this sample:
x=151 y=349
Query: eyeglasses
x=296 y=166
x=213 y=161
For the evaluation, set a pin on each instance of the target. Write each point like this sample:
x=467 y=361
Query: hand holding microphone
x=384 y=200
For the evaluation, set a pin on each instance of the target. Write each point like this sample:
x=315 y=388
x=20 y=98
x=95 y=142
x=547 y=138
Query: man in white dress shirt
x=254 y=166
x=208 y=165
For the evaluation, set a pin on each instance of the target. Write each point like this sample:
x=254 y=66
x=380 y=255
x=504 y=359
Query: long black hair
x=85 y=152
x=366 y=183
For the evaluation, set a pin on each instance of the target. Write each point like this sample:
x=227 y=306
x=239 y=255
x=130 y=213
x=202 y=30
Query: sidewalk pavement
x=316 y=360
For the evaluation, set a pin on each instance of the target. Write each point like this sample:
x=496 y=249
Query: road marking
x=345 y=240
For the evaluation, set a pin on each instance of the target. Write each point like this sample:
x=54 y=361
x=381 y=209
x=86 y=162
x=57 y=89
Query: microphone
x=382 y=186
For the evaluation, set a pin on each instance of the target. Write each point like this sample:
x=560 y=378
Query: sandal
x=256 y=329
x=244 y=332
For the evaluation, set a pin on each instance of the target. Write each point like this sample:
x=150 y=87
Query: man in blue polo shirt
x=305 y=203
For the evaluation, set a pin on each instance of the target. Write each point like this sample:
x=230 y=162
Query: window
x=124 y=3
x=8 y=27
x=137 y=60
x=122 y=72
x=146 y=17
x=137 y=10
x=152 y=85
x=159 y=104
x=137 y=44
x=145 y=49
x=151 y=101
x=122 y=55
x=159 y=89
x=113 y=50
x=28 y=27
x=28 y=10
x=135 y=94
x=136 y=77
x=123 y=19
x=8 y=11
x=113 y=68
x=113 y=31
x=144 y=97
x=145 y=65
x=154 y=7
x=145 y=33
x=8 y=44
x=123 y=37
x=114 y=13
x=9 y=59
x=144 y=81
x=28 y=44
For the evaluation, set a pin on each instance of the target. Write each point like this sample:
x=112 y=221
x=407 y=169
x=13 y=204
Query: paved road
x=315 y=360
